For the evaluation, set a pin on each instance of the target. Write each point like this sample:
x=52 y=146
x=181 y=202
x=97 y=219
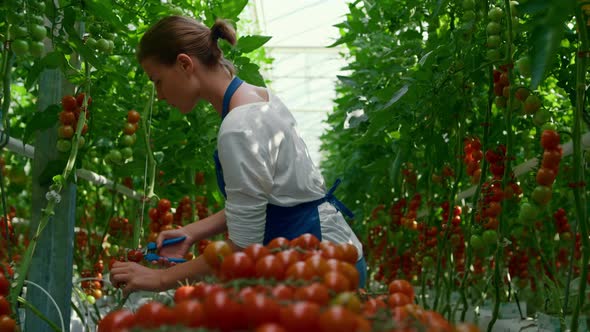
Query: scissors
x=150 y=251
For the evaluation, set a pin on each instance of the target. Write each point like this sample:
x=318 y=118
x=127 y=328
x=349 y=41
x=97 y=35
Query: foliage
x=423 y=81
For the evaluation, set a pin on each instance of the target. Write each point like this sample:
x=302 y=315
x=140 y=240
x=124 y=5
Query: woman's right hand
x=177 y=250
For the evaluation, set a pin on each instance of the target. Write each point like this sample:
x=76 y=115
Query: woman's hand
x=177 y=250
x=132 y=277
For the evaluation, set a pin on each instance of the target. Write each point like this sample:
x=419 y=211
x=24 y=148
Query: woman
x=263 y=167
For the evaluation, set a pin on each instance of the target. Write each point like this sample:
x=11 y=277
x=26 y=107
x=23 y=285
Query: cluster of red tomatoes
x=387 y=239
x=565 y=235
x=549 y=167
x=92 y=283
x=68 y=118
x=161 y=218
x=472 y=158
x=492 y=191
x=297 y=285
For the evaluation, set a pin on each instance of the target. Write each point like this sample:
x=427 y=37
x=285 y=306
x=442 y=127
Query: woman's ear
x=186 y=62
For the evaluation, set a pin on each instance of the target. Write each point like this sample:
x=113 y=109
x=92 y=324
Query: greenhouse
x=315 y=165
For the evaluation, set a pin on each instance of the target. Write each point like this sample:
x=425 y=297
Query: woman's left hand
x=132 y=277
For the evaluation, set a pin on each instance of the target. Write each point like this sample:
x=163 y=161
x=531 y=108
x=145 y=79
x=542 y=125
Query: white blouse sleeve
x=248 y=184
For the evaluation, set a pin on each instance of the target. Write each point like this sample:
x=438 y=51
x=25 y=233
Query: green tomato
x=38 y=32
x=493 y=28
x=532 y=104
x=493 y=41
x=37 y=19
x=114 y=250
x=468 y=16
x=528 y=212
x=20 y=47
x=127 y=152
x=542 y=116
x=111 y=46
x=37 y=48
x=490 y=237
x=468 y=4
x=493 y=54
x=91 y=43
x=115 y=156
x=39 y=6
x=496 y=14
x=15 y=17
x=110 y=36
x=476 y=242
x=17 y=31
x=103 y=45
x=128 y=140
x=63 y=145
x=81 y=141
x=541 y=195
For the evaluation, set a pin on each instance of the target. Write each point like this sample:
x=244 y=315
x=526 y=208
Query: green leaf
x=546 y=38
x=425 y=58
x=250 y=73
x=343 y=40
x=86 y=52
x=42 y=120
x=229 y=9
x=104 y=10
x=346 y=80
x=396 y=96
x=248 y=44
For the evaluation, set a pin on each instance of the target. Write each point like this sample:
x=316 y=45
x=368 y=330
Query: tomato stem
x=151 y=162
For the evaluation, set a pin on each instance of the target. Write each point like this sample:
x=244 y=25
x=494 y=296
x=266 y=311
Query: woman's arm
x=208 y=227
x=199 y=230
x=138 y=277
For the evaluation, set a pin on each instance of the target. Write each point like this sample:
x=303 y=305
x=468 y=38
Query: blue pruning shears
x=150 y=251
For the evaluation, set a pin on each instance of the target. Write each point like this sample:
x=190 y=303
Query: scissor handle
x=176 y=260
x=173 y=240
x=167 y=242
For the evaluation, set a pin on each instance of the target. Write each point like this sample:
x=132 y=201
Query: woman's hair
x=173 y=35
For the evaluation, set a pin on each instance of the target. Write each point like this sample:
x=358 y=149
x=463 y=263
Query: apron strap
x=336 y=202
x=229 y=92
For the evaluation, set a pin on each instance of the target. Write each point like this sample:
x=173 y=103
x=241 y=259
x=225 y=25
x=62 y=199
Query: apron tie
x=336 y=202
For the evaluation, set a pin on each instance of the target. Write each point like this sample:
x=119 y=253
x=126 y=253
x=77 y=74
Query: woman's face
x=175 y=84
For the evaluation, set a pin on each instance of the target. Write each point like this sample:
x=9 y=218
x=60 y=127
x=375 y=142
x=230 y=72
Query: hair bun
x=216 y=32
x=222 y=29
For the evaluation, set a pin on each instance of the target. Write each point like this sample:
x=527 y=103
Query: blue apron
x=293 y=221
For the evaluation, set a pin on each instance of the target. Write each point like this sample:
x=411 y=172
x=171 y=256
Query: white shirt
x=265 y=161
